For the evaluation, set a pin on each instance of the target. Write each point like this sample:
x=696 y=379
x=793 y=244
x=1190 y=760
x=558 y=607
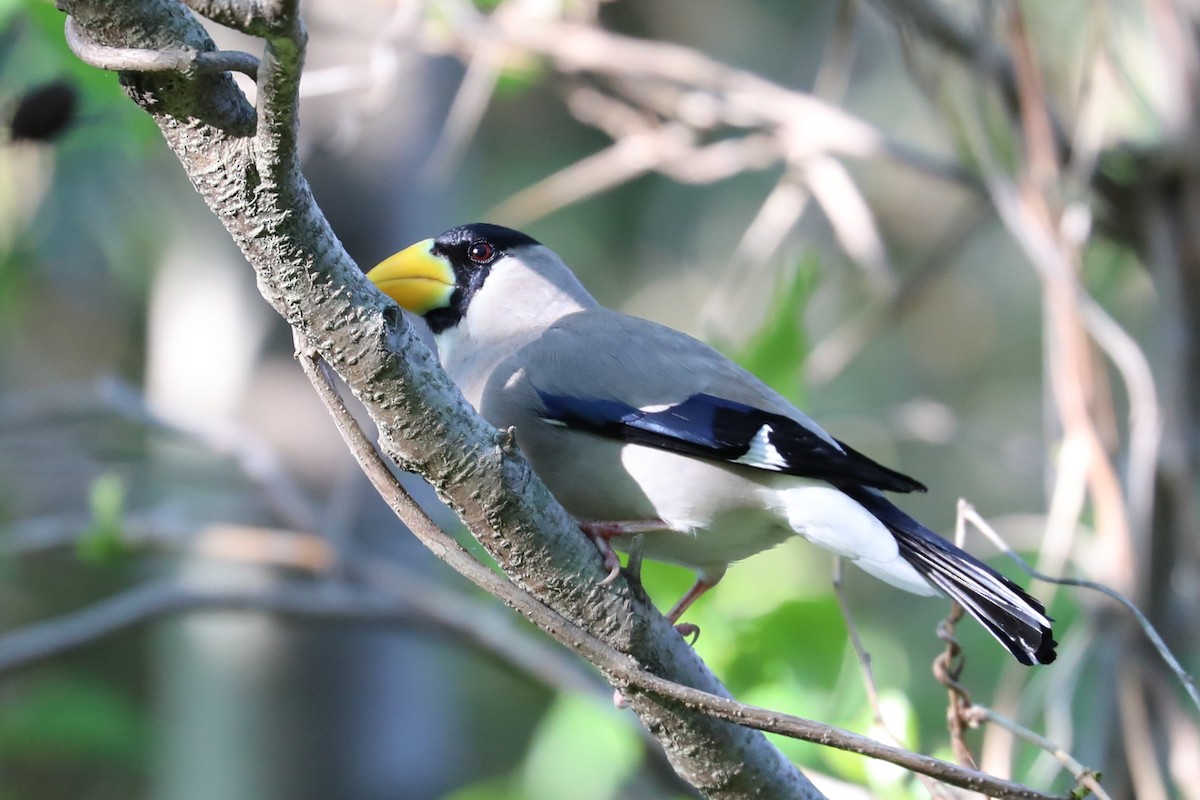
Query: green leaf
x=103 y=543
x=777 y=351
x=518 y=77
x=60 y=718
x=494 y=788
x=7 y=9
x=581 y=750
x=804 y=637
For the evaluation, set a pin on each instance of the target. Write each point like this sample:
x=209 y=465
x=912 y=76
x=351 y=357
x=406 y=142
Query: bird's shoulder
x=605 y=354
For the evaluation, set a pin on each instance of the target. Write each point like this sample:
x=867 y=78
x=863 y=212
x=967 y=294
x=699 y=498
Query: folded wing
x=726 y=430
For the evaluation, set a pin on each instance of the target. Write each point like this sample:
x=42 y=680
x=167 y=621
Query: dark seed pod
x=44 y=112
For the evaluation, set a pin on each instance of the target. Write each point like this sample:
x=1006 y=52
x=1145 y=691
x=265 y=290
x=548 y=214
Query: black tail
x=1017 y=620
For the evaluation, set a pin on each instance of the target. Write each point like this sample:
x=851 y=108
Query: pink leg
x=686 y=629
x=601 y=533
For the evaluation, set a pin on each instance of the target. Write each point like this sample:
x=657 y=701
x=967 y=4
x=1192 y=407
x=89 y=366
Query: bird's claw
x=600 y=533
x=611 y=561
x=507 y=440
x=688 y=630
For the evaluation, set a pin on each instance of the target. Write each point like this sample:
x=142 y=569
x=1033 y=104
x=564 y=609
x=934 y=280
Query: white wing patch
x=762 y=453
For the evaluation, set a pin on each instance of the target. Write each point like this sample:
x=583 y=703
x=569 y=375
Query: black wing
x=726 y=430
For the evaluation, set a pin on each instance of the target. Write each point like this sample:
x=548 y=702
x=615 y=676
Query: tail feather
x=1017 y=620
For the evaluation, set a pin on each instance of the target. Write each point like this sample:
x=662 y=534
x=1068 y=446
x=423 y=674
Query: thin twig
x=935 y=789
x=470 y=102
x=837 y=61
x=937 y=24
x=132 y=59
x=622 y=161
x=852 y=221
x=804 y=124
x=1087 y=778
x=1145 y=421
x=947 y=669
x=1189 y=684
x=864 y=658
x=26 y=647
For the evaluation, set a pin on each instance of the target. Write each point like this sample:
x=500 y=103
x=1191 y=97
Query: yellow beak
x=415 y=278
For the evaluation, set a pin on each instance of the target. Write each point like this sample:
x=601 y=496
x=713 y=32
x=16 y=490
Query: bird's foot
x=689 y=631
x=603 y=532
x=611 y=561
x=507 y=440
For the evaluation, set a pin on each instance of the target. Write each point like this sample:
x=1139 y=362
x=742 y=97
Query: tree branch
x=137 y=59
x=248 y=175
x=342 y=604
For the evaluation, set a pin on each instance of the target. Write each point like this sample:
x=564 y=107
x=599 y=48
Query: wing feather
x=726 y=430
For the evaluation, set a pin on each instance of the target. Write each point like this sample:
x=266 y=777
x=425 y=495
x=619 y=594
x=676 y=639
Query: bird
x=640 y=430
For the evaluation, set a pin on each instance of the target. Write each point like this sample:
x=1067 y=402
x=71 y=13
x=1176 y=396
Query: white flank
x=827 y=517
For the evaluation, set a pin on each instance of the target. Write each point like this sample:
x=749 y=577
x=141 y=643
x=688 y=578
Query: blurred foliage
x=36 y=52
x=102 y=544
x=66 y=718
x=777 y=349
x=92 y=222
x=70 y=201
x=67 y=734
x=78 y=728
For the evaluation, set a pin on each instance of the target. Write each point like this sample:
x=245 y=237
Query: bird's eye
x=481 y=252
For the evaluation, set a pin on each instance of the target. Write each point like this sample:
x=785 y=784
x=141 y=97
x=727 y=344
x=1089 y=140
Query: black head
x=471 y=251
x=437 y=278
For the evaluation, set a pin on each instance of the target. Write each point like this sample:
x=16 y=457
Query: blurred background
x=957 y=233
